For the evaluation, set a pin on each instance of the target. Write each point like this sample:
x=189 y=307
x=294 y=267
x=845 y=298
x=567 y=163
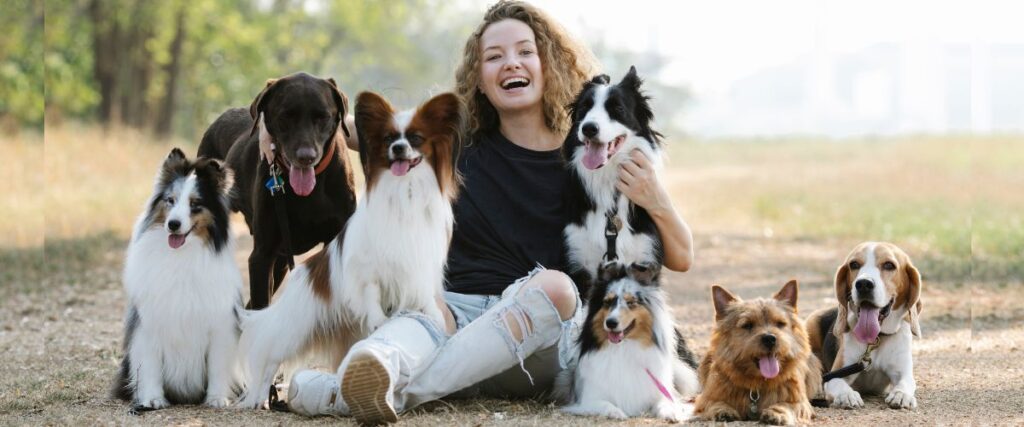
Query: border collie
x=629 y=363
x=609 y=122
x=184 y=292
x=389 y=258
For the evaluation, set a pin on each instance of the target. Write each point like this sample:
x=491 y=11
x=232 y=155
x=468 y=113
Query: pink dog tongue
x=615 y=337
x=175 y=240
x=769 y=366
x=302 y=179
x=867 y=325
x=399 y=167
x=595 y=156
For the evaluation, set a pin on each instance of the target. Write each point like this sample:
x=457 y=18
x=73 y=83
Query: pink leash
x=661 y=387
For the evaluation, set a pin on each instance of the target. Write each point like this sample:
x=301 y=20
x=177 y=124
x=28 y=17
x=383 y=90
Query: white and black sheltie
x=184 y=292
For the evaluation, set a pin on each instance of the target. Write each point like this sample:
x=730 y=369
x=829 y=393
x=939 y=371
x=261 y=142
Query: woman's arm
x=640 y=184
x=352 y=141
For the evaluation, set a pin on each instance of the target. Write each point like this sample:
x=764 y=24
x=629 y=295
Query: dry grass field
x=762 y=212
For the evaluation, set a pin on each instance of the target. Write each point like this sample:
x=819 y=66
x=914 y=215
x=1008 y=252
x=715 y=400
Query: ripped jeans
x=484 y=359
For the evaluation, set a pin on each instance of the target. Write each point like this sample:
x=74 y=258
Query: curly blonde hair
x=566 y=65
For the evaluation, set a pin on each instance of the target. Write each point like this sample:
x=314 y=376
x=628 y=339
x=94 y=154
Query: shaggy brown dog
x=760 y=365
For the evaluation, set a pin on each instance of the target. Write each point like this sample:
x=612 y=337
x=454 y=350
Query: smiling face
x=511 y=75
x=190 y=201
x=875 y=279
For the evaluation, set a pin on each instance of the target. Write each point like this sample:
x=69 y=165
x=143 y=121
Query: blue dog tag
x=275 y=183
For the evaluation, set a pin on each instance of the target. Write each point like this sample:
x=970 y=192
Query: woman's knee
x=560 y=290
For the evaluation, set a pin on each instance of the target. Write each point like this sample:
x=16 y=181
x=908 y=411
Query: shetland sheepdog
x=629 y=362
x=389 y=258
x=609 y=122
x=184 y=292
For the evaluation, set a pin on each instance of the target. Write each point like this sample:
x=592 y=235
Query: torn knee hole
x=517 y=322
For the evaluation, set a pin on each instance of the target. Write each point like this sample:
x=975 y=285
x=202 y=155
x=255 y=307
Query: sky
x=939 y=67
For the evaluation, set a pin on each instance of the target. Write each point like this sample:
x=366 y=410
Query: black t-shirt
x=509 y=215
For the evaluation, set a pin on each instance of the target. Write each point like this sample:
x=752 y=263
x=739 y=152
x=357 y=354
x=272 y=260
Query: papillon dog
x=389 y=258
x=184 y=292
x=629 y=361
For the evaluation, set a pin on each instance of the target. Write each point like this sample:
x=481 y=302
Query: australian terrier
x=760 y=365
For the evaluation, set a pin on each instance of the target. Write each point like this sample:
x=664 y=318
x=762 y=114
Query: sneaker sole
x=365 y=388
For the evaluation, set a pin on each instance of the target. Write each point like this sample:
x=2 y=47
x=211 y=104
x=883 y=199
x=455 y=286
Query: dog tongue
x=302 y=179
x=595 y=156
x=615 y=337
x=769 y=366
x=867 y=325
x=175 y=240
x=399 y=167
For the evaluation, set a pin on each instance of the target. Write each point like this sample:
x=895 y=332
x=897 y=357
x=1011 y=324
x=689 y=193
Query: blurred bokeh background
x=794 y=130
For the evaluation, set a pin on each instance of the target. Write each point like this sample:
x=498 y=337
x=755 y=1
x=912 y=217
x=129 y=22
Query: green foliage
x=21 y=67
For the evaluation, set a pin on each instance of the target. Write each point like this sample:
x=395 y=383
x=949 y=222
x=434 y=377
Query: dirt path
x=60 y=343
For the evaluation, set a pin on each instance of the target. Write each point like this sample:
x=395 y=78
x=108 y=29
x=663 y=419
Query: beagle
x=878 y=290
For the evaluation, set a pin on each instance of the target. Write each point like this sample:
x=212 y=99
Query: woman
x=508 y=308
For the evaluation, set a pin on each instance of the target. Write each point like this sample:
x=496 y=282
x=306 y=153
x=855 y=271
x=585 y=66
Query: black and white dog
x=184 y=292
x=609 y=122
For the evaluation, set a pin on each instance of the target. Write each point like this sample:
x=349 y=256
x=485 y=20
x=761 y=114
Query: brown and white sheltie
x=389 y=258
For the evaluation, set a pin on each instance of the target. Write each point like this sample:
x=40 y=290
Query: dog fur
x=390 y=257
x=184 y=292
x=876 y=277
x=303 y=118
x=760 y=365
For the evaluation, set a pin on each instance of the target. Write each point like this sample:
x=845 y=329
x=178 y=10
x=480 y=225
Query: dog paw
x=217 y=402
x=847 y=400
x=898 y=399
x=154 y=403
x=250 y=401
x=778 y=416
x=669 y=412
x=724 y=414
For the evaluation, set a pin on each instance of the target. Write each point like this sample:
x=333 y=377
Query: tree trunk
x=105 y=58
x=165 y=117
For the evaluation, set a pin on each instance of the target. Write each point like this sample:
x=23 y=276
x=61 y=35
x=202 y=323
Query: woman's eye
x=493 y=57
x=526 y=52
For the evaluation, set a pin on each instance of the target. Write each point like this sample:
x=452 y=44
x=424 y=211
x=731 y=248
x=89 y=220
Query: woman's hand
x=639 y=182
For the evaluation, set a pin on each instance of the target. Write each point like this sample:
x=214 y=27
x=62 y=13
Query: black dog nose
x=865 y=285
x=611 y=323
x=305 y=155
x=768 y=340
x=589 y=130
x=174 y=224
x=398 y=150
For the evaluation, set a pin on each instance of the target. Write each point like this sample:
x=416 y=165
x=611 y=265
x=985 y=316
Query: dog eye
x=194 y=206
x=169 y=200
x=631 y=304
x=415 y=139
x=854 y=265
x=889 y=266
x=780 y=324
x=747 y=326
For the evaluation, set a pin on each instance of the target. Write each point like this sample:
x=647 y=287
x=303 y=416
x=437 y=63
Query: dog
x=628 y=363
x=389 y=259
x=760 y=365
x=609 y=122
x=184 y=292
x=878 y=290
x=291 y=129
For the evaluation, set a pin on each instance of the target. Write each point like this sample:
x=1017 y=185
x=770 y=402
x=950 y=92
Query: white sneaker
x=313 y=393
x=366 y=388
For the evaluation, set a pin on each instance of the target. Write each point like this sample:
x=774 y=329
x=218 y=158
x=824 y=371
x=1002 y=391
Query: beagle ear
x=722 y=298
x=913 y=297
x=843 y=295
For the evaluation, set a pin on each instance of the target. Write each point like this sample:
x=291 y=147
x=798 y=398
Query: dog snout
x=768 y=340
x=398 y=150
x=305 y=156
x=611 y=323
x=864 y=286
x=174 y=225
x=590 y=129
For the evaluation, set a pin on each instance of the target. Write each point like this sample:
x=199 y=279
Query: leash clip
x=275 y=183
x=754 y=395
